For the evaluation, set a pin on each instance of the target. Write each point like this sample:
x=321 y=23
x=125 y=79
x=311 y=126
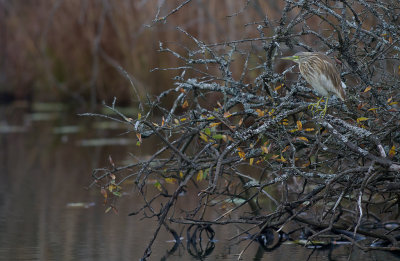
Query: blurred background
x=69 y=51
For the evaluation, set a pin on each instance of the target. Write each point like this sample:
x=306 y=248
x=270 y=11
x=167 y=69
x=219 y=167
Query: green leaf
x=116 y=193
x=217 y=136
x=207 y=131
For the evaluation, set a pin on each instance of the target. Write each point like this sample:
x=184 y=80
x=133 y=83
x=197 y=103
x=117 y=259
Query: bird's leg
x=323 y=112
x=315 y=106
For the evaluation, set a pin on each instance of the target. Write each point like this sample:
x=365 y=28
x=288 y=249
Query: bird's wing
x=334 y=77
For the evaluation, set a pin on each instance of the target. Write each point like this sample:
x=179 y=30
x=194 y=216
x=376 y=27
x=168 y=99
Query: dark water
x=47 y=212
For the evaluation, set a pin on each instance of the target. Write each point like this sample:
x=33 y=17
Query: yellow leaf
x=302 y=138
x=362 y=119
x=392 y=151
x=260 y=113
x=199 y=175
x=227 y=114
x=259 y=161
x=170 y=180
x=176 y=121
x=203 y=137
x=285 y=149
x=181 y=174
x=251 y=161
x=271 y=112
x=241 y=153
x=285 y=122
x=264 y=149
x=278 y=87
x=299 y=125
x=111 y=187
x=294 y=130
x=373 y=109
x=183 y=119
x=390 y=99
x=211 y=118
x=274 y=156
x=224 y=138
x=281 y=159
x=306 y=164
x=185 y=104
x=139 y=136
x=368 y=89
x=393 y=103
x=309 y=129
x=214 y=124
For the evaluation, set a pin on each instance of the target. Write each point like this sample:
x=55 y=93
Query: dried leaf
x=203 y=137
x=214 y=124
x=299 y=125
x=241 y=153
x=200 y=175
x=278 y=87
x=392 y=151
x=107 y=210
x=139 y=136
x=162 y=121
x=170 y=180
x=185 y=104
x=111 y=162
x=260 y=113
x=104 y=193
x=264 y=149
x=241 y=121
x=367 y=89
x=227 y=114
x=111 y=187
x=302 y=138
x=362 y=119
x=305 y=165
x=285 y=149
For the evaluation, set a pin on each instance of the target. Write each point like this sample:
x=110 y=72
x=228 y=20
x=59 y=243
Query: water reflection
x=46 y=213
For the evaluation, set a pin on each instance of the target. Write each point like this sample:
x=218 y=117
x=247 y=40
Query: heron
x=319 y=71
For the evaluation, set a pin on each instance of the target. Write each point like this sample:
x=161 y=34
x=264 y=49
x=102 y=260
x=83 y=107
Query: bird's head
x=294 y=58
x=298 y=57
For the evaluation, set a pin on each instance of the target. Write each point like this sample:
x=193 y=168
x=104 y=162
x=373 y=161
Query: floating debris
x=81 y=204
x=106 y=142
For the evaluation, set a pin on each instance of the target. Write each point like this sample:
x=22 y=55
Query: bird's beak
x=291 y=58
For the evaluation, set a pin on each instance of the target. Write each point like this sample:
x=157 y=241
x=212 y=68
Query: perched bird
x=319 y=71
